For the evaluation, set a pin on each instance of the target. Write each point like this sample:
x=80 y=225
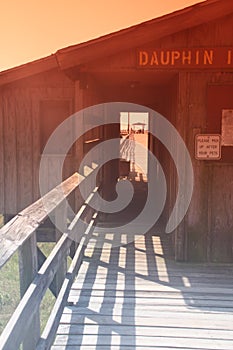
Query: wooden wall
x=209 y=223
x=206 y=232
x=208 y=226
x=20 y=146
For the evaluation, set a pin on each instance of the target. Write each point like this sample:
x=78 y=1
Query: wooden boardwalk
x=134 y=296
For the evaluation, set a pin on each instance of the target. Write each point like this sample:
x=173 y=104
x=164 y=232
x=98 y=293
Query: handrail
x=26 y=314
x=20 y=228
x=49 y=332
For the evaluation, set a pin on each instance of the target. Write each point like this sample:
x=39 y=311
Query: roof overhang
x=77 y=55
x=142 y=33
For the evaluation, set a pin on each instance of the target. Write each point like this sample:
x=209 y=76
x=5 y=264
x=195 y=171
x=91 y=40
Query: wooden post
x=61 y=226
x=182 y=110
x=28 y=267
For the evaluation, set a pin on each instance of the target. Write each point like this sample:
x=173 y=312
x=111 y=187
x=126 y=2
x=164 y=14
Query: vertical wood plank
x=28 y=267
x=78 y=147
x=210 y=202
x=35 y=142
x=24 y=148
x=2 y=182
x=221 y=214
x=10 y=160
x=197 y=217
x=180 y=235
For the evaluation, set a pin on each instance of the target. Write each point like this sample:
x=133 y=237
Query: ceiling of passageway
x=133 y=79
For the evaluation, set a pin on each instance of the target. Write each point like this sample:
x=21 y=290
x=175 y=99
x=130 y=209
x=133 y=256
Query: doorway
x=134 y=144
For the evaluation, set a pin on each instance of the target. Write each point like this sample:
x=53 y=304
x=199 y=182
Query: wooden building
x=180 y=65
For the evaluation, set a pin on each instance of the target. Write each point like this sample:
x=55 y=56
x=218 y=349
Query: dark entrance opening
x=157 y=91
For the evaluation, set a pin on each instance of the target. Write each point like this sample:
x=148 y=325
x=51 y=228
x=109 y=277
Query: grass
x=49 y=299
x=10 y=290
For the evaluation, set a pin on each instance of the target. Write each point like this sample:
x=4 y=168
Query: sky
x=31 y=29
x=133 y=117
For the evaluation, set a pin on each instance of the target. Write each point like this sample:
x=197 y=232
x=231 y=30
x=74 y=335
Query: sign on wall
x=216 y=57
x=208 y=147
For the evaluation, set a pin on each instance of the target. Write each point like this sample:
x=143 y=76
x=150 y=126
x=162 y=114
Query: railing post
x=61 y=223
x=28 y=267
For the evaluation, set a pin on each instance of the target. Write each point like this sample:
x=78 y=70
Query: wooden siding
x=2 y=181
x=20 y=123
x=213 y=34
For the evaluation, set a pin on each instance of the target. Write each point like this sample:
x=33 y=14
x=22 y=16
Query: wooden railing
x=20 y=234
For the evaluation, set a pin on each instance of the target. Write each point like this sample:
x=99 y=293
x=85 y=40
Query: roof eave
x=148 y=31
x=131 y=37
x=28 y=69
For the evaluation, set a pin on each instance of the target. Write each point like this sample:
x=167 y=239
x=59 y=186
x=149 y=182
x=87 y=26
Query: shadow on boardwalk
x=130 y=294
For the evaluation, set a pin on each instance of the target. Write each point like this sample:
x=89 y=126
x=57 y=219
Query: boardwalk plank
x=130 y=298
x=121 y=347
x=160 y=320
x=150 y=341
x=176 y=332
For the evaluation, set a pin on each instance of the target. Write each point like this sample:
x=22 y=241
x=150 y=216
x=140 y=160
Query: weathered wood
x=49 y=333
x=113 y=347
x=2 y=180
x=219 y=320
x=20 y=322
x=146 y=341
x=10 y=156
x=21 y=108
x=28 y=263
x=23 y=113
x=26 y=70
x=46 y=234
x=148 y=32
x=221 y=221
x=61 y=226
x=150 y=301
x=19 y=229
x=28 y=267
x=41 y=259
x=175 y=331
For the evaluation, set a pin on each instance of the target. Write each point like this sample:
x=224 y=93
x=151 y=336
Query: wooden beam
x=61 y=223
x=23 y=225
x=28 y=69
x=41 y=260
x=138 y=35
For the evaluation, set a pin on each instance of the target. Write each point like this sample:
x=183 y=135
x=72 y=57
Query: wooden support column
x=28 y=267
x=181 y=116
x=111 y=169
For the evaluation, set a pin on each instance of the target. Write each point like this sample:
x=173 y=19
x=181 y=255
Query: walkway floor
x=135 y=296
x=130 y=294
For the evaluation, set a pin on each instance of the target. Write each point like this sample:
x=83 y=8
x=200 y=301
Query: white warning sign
x=208 y=147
